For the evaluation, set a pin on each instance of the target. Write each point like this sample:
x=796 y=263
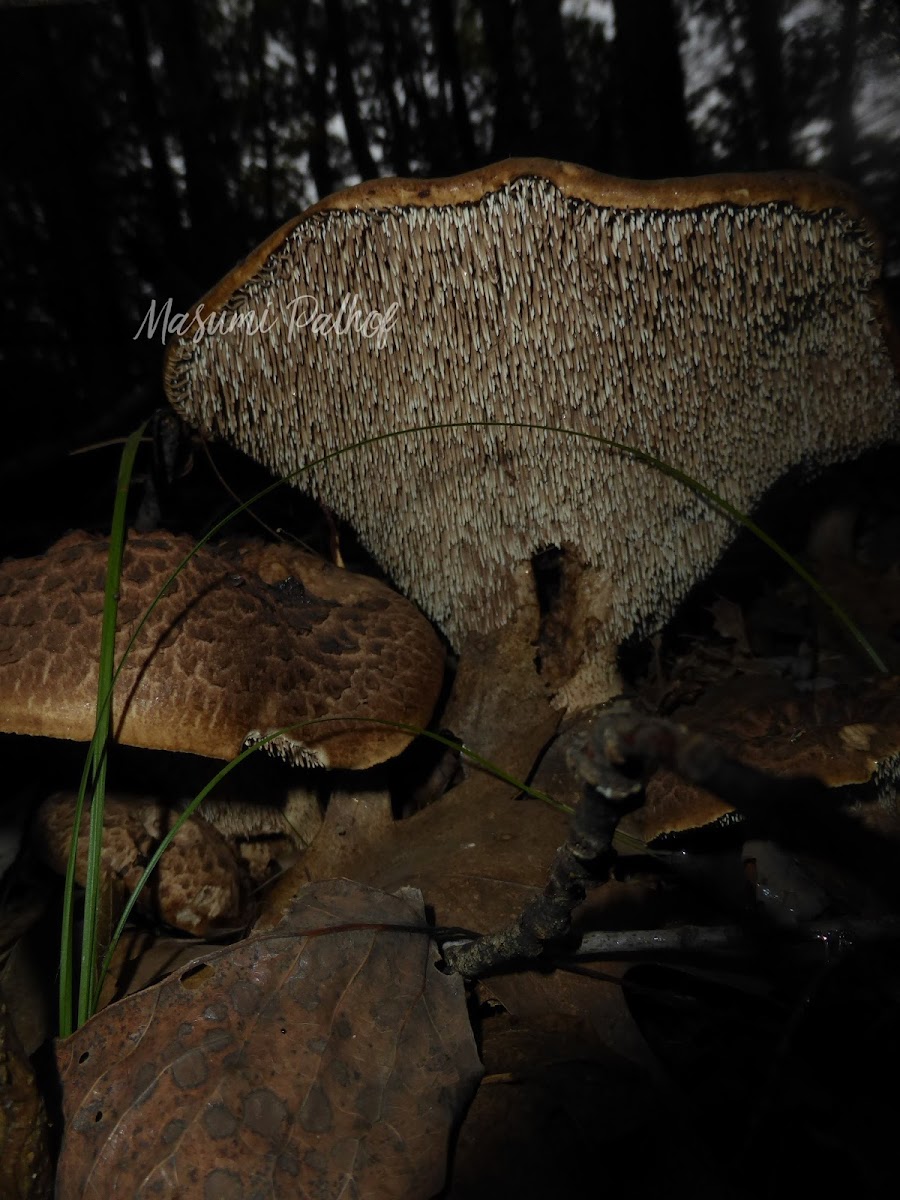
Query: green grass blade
x=67 y=940
x=94 y=774
x=191 y=808
x=639 y=455
x=643 y=456
x=100 y=758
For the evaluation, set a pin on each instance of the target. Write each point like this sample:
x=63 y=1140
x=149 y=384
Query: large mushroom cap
x=242 y=644
x=730 y=325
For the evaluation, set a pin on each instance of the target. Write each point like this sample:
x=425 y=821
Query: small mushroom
x=242 y=644
x=731 y=325
x=197 y=885
x=847 y=737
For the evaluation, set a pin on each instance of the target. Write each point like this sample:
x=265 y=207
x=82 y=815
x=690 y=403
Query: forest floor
x=759 y=1066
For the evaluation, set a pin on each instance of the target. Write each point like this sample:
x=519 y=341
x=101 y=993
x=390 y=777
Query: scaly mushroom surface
x=197 y=886
x=242 y=644
x=730 y=325
x=847 y=737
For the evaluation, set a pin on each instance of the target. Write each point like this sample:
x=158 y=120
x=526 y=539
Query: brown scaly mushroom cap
x=730 y=325
x=241 y=645
x=846 y=737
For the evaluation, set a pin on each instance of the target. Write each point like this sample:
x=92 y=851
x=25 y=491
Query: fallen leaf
x=500 y=707
x=143 y=957
x=29 y=979
x=479 y=854
x=24 y=1153
x=569 y=1100
x=288 y=1065
x=730 y=623
x=871 y=594
x=354 y=821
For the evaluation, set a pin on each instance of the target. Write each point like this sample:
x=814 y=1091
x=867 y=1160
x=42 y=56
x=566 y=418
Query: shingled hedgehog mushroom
x=198 y=883
x=241 y=645
x=245 y=641
x=730 y=325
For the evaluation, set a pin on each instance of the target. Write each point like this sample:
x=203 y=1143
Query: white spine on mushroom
x=676 y=335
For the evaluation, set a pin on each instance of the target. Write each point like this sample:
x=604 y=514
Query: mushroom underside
x=728 y=332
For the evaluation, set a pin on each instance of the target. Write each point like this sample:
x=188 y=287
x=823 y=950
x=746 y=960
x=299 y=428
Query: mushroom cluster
x=730 y=325
x=246 y=640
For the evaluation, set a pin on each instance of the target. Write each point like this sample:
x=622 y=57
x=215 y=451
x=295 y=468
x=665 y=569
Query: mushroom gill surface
x=242 y=644
x=730 y=325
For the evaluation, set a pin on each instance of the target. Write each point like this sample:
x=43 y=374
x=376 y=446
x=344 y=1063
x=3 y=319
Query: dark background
x=146 y=146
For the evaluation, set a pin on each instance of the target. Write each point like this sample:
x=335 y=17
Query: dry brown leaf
x=500 y=706
x=566 y=1099
x=354 y=821
x=477 y=843
x=287 y=1065
x=479 y=853
x=24 y=1153
x=20 y=911
x=872 y=596
x=478 y=856
x=143 y=957
x=29 y=979
x=730 y=623
x=532 y=996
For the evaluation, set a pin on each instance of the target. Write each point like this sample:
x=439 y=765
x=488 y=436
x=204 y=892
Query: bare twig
x=613 y=761
x=584 y=859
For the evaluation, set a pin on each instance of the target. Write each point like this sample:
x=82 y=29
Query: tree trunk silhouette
x=556 y=135
x=313 y=66
x=339 y=52
x=443 y=20
x=424 y=117
x=399 y=144
x=510 y=123
x=80 y=330
x=843 y=124
x=745 y=141
x=149 y=123
x=205 y=130
x=654 y=136
x=257 y=73
x=761 y=19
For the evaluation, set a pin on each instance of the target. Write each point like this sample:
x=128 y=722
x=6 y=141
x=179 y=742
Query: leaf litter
x=477 y=856
x=289 y=1064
